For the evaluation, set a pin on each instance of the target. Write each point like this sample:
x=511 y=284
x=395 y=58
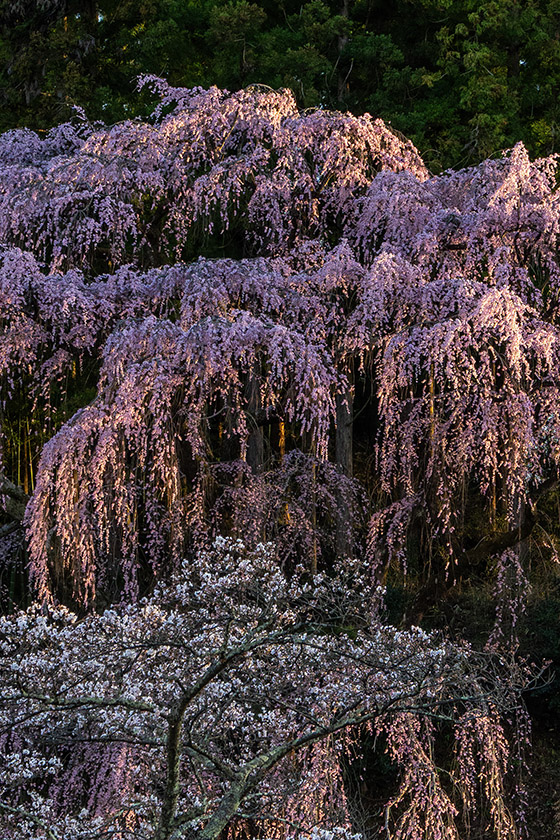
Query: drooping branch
x=14 y=499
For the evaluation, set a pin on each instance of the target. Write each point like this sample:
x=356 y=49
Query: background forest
x=463 y=80
x=277 y=385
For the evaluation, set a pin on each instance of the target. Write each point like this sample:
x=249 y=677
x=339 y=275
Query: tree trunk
x=14 y=499
x=171 y=795
x=344 y=460
x=255 y=441
x=226 y=810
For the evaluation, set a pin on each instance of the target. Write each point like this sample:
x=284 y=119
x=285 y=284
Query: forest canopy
x=462 y=79
x=280 y=441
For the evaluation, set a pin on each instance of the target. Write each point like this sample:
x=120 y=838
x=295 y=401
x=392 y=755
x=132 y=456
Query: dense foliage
x=462 y=79
x=272 y=396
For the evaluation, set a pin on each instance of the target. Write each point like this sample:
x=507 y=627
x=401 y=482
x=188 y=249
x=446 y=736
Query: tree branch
x=15 y=500
x=21 y=812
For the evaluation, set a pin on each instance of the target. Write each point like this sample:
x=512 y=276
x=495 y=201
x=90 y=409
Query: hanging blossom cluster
x=465 y=371
x=223 y=695
x=346 y=299
x=216 y=161
x=440 y=292
x=49 y=321
x=161 y=382
x=168 y=386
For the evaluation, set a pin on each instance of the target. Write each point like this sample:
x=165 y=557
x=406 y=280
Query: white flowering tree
x=230 y=695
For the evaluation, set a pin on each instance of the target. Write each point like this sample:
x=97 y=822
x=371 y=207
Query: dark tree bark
x=255 y=441
x=344 y=460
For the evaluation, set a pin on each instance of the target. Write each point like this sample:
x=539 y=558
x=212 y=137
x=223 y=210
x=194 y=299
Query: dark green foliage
x=462 y=79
